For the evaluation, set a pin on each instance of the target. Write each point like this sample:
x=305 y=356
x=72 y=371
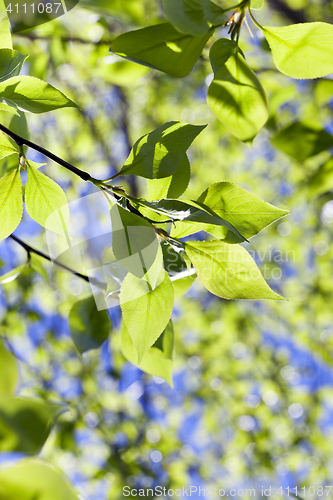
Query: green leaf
x=257 y=4
x=33 y=95
x=158 y=360
x=182 y=285
x=46 y=202
x=6 y=147
x=35 y=480
x=302 y=140
x=172 y=186
x=8 y=109
x=5 y=35
x=89 y=327
x=194 y=17
x=302 y=50
x=188 y=211
x=235 y=95
x=161 y=47
x=228 y=271
x=146 y=311
x=244 y=210
x=134 y=241
x=25 y=424
x=173 y=261
x=322 y=179
x=8 y=372
x=11 y=206
x=11 y=63
x=13 y=274
x=160 y=153
x=122 y=72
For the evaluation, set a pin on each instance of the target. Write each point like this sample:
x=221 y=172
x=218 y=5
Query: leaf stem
x=30 y=250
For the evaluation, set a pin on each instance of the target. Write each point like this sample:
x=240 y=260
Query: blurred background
x=252 y=402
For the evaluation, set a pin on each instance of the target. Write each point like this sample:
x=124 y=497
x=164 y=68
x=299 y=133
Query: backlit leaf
x=193 y=16
x=11 y=206
x=35 y=480
x=46 y=202
x=158 y=360
x=161 y=47
x=302 y=50
x=172 y=186
x=146 y=311
x=160 y=153
x=11 y=63
x=33 y=95
x=235 y=95
x=228 y=271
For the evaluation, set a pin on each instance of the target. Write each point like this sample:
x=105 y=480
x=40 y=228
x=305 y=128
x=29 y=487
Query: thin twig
x=30 y=249
x=20 y=141
x=66 y=39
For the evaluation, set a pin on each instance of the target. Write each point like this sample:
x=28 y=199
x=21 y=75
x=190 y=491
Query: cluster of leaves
x=220 y=355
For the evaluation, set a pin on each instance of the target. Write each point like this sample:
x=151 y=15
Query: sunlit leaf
x=302 y=50
x=235 y=95
x=46 y=202
x=5 y=35
x=158 y=360
x=135 y=245
x=6 y=147
x=322 y=179
x=35 y=480
x=11 y=206
x=193 y=16
x=257 y=4
x=33 y=95
x=161 y=47
x=160 y=153
x=228 y=271
x=146 y=311
x=173 y=186
x=11 y=62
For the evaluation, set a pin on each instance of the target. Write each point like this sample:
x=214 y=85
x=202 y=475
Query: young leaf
x=13 y=274
x=11 y=63
x=25 y=424
x=182 y=285
x=33 y=95
x=146 y=311
x=244 y=210
x=33 y=479
x=173 y=186
x=160 y=153
x=89 y=327
x=188 y=211
x=257 y=4
x=235 y=95
x=8 y=372
x=11 y=206
x=5 y=36
x=161 y=47
x=158 y=360
x=228 y=271
x=193 y=16
x=302 y=140
x=302 y=50
x=134 y=241
x=46 y=202
x=8 y=109
x=6 y=147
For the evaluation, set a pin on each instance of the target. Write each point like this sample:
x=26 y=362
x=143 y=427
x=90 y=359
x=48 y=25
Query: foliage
x=157 y=252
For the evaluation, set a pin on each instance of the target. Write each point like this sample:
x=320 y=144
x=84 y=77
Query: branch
x=30 y=249
x=66 y=39
x=20 y=141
